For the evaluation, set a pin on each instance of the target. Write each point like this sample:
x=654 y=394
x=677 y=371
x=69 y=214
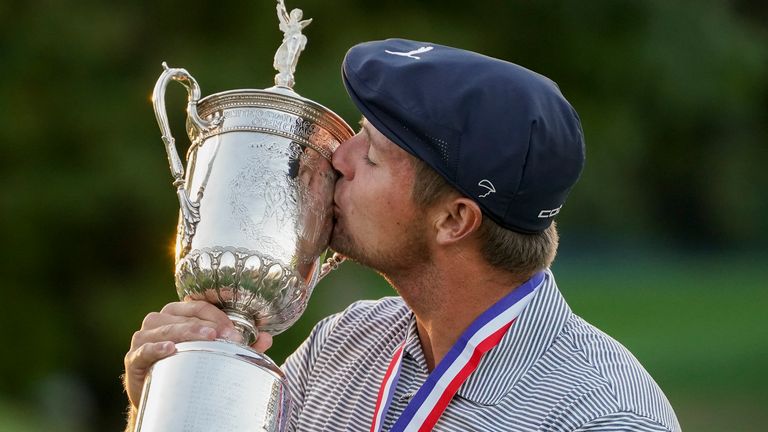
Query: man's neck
x=446 y=303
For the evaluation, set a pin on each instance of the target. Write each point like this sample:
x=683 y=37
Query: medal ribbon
x=423 y=411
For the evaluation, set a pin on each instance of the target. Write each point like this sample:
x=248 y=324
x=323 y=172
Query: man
x=449 y=191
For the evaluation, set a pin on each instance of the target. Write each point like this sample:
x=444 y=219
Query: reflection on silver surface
x=262 y=184
x=258 y=189
x=214 y=386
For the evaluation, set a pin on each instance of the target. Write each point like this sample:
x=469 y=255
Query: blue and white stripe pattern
x=551 y=371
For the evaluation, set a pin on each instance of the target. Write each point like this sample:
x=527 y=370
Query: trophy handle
x=158 y=100
x=189 y=210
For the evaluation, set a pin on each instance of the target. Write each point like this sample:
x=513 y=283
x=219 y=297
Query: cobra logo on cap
x=488 y=185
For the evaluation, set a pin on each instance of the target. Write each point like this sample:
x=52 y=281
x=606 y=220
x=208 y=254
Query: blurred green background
x=662 y=239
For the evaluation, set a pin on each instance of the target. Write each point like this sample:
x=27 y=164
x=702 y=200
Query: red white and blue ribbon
x=387 y=389
x=427 y=405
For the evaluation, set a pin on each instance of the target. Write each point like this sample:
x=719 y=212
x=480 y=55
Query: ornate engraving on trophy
x=314 y=129
x=236 y=278
x=189 y=216
x=263 y=197
x=267 y=120
x=272 y=410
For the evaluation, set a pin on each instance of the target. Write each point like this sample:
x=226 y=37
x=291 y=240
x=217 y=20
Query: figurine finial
x=294 y=42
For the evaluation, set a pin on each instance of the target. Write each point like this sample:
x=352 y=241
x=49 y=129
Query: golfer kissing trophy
x=254 y=225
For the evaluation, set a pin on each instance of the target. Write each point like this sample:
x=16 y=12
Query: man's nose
x=340 y=159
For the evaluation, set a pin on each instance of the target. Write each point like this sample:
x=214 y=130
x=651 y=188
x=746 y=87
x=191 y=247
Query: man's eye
x=368 y=160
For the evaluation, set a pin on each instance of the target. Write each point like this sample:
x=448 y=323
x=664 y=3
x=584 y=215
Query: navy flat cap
x=499 y=133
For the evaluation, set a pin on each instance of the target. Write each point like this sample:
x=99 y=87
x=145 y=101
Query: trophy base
x=214 y=386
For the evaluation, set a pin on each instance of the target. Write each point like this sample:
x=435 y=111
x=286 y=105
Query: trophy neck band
x=282 y=113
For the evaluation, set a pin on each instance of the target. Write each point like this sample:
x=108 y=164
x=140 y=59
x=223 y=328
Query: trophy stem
x=244 y=326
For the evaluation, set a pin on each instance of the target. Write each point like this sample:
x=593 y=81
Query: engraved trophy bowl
x=256 y=203
x=256 y=214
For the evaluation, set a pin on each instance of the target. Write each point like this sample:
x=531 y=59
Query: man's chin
x=341 y=250
x=339 y=243
x=343 y=245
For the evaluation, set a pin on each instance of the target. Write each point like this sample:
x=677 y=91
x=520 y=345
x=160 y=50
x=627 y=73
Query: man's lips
x=336 y=214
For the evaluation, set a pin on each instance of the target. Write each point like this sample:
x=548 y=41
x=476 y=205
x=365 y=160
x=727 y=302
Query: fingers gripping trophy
x=254 y=224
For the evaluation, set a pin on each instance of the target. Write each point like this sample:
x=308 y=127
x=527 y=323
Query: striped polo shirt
x=552 y=371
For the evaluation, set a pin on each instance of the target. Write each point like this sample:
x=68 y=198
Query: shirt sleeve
x=624 y=422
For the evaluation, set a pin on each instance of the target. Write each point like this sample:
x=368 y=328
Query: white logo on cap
x=488 y=185
x=544 y=214
x=410 y=54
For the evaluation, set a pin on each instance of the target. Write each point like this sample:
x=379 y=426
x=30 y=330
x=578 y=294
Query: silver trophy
x=254 y=225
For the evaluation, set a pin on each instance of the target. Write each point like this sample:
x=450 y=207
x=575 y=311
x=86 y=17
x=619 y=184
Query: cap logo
x=488 y=185
x=544 y=214
x=411 y=54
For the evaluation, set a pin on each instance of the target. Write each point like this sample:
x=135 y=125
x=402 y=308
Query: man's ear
x=456 y=219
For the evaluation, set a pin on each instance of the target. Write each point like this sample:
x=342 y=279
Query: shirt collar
x=525 y=342
x=413 y=345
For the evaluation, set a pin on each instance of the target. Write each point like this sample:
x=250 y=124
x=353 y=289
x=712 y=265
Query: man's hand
x=176 y=322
